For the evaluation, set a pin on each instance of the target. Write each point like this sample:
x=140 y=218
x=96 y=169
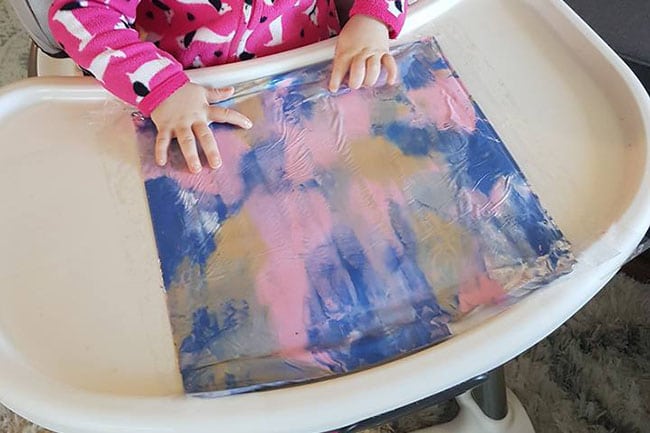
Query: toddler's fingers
x=208 y=143
x=357 y=71
x=339 y=69
x=186 y=141
x=373 y=68
x=226 y=115
x=162 y=145
x=391 y=68
x=216 y=95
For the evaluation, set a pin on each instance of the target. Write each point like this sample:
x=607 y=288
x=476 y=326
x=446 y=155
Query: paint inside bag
x=342 y=231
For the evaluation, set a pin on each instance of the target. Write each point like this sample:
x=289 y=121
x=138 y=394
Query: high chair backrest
x=33 y=15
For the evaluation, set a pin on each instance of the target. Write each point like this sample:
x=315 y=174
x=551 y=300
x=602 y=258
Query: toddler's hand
x=186 y=115
x=361 y=49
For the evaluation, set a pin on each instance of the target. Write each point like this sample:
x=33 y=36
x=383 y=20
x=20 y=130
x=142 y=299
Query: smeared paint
x=180 y=228
x=412 y=141
x=343 y=230
x=446 y=103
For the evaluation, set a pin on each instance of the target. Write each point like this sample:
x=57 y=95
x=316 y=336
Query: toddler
x=145 y=67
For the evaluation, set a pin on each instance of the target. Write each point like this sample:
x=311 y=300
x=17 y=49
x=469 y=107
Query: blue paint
x=174 y=238
x=263 y=167
x=484 y=160
x=360 y=292
x=341 y=272
x=454 y=145
x=205 y=329
x=251 y=172
x=235 y=314
x=440 y=64
x=402 y=229
x=407 y=264
x=329 y=334
x=355 y=262
x=218 y=126
x=167 y=217
x=391 y=259
x=235 y=207
x=371 y=349
x=199 y=379
x=540 y=236
x=419 y=73
x=326 y=182
x=309 y=184
x=231 y=381
x=487 y=162
x=487 y=159
x=221 y=208
x=410 y=140
x=328 y=278
x=296 y=107
x=209 y=339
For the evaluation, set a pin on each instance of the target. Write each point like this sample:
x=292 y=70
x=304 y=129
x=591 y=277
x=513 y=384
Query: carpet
x=590 y=376
x=14 y=46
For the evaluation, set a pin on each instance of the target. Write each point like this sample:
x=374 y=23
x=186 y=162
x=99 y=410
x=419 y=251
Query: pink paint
x=292 y=225
x=472 y=202
x=446 y=103
x=273 y=124
x=499 y=194
x=324 y=358
x=225 y=181
x=312 y=146
x=476 y=287
x=481 y=206
x=368 y=207
x=353 y=109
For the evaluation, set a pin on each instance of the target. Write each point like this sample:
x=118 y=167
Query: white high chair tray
x=85 y=343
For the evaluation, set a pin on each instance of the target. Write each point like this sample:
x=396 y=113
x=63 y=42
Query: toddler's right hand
x=186 y=115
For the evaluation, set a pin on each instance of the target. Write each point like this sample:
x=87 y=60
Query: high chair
x=572 y=113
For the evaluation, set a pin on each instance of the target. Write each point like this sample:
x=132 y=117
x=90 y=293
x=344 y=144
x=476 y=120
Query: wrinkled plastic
x=342 y=231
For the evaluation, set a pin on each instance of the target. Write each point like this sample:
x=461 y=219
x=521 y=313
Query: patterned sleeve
x=99 y=37
x=390 y=12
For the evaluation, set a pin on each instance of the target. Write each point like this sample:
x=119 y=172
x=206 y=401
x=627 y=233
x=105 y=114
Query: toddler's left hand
x=361 y=49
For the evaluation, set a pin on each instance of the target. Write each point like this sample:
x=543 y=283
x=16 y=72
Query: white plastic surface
x=85 y=344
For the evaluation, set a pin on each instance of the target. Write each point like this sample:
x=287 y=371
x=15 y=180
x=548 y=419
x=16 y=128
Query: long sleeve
x=390 y=12
x=99 y=37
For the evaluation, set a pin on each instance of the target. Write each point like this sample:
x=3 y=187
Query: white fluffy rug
x=14 y=47
x=590 y=376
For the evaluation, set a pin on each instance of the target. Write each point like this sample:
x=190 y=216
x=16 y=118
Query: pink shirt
x=143 y=67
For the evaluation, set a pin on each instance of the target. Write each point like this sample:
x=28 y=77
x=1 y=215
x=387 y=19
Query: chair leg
x=472 y=419
x=387 y=417
x=32 y=61
x=490 y=396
